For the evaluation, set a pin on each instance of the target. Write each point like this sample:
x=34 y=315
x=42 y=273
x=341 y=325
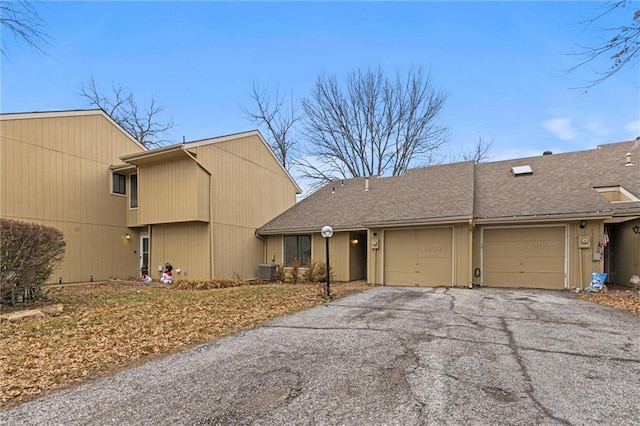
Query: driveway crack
x=528 y=383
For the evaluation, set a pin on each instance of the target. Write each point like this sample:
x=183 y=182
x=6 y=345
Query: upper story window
x=297 y=247
x=133 y=197
x=119 y=183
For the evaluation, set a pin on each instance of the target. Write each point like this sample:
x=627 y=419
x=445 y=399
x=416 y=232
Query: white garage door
x=532 y=257
x=418 y=257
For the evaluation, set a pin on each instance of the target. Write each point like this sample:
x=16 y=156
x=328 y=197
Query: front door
x=144 y=249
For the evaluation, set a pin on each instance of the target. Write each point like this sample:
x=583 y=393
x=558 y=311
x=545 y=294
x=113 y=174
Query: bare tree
x=279 y=120
x=622 y=45
x=372 y=125
x=141 y=123
x=478 y=153
x=23 y=21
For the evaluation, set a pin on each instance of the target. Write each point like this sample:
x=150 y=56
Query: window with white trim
x=133 y=197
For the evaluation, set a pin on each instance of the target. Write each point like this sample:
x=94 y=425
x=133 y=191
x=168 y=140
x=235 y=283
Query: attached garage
x=531 y=257
x=420 y=257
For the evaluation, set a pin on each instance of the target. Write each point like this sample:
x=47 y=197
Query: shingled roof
x=560 y=186
x=437 y=193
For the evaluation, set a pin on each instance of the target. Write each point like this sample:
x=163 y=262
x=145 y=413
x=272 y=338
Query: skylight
x=522 y=170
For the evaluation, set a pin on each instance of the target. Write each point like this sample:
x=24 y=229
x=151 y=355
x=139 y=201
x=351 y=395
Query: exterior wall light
x=354 y=242
x=127 y=237
x=327 y=232
x=636 y=229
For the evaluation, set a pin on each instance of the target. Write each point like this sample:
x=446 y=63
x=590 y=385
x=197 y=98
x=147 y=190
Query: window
x=119 y=184
x=297 y=247
x=133 y=198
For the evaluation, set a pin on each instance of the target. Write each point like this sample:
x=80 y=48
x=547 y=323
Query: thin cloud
x=562 y=128
x=633 y=127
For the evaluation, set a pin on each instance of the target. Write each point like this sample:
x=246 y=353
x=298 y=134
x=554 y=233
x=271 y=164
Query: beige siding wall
x=174 y=191
x=55 y=171
x=185 y=245
x=581 y=262
x=237 y=251
x=248 y=188
x=339 y=250
x=274 y=249
x=374 y=257
x=463 y=253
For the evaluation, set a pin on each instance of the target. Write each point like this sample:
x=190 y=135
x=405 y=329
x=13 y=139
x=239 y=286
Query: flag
x=605 y=238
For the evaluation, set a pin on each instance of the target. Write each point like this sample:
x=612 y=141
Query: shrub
x=317 y=272
x=184 y=284
x=28 y=255
x=292 y=274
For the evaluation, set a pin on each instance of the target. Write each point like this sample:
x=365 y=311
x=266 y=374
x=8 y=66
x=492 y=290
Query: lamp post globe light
x=327 y=232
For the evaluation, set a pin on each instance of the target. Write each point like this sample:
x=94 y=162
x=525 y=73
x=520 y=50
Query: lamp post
x=327 y=232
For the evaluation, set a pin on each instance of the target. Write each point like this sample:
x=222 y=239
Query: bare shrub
x=29 y=253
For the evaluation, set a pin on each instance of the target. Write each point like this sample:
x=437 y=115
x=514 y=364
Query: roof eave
x=418 y=222
x=544 y=217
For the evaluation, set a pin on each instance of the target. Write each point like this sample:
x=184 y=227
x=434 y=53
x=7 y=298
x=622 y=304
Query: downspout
x=470 y=269
x=211 y=245
x=264 y=245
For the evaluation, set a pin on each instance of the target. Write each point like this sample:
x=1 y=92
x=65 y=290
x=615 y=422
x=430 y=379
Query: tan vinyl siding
x=374 y=257
x=248 y=188
x=237 y=251
x=184 y=245
x=274 y=249
x=175 y=191
x=55 y=171
x=132 y=218
x=338 y=253
x=462 y=255
x=581 y=262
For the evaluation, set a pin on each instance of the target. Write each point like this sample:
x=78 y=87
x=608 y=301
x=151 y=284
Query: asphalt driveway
x=396 y=356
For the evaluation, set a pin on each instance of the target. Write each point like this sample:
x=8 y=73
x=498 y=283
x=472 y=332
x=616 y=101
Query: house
x=195 y=205
x=539 y=222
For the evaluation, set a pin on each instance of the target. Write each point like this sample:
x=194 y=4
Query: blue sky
x=502 y=64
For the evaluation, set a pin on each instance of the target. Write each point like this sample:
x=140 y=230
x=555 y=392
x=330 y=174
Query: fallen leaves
x=107 y=327
x=624 y=300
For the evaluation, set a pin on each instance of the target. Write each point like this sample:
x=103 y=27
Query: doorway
x=144 y=249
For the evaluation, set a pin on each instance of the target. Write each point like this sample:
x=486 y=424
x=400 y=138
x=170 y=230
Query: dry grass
x=107 y=327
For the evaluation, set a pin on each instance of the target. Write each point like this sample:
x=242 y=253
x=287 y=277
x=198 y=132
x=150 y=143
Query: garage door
x=524 y=257
x=418 y=257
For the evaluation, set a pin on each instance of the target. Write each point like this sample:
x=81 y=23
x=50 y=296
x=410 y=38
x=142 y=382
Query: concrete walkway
x=390 y=356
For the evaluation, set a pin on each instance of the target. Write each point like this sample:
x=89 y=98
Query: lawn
x=110 y=326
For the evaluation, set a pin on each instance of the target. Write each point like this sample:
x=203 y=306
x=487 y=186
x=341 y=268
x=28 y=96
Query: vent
x=522 y=170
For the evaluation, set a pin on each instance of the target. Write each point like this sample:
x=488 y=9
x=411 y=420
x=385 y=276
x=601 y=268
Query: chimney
x=366 y=183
